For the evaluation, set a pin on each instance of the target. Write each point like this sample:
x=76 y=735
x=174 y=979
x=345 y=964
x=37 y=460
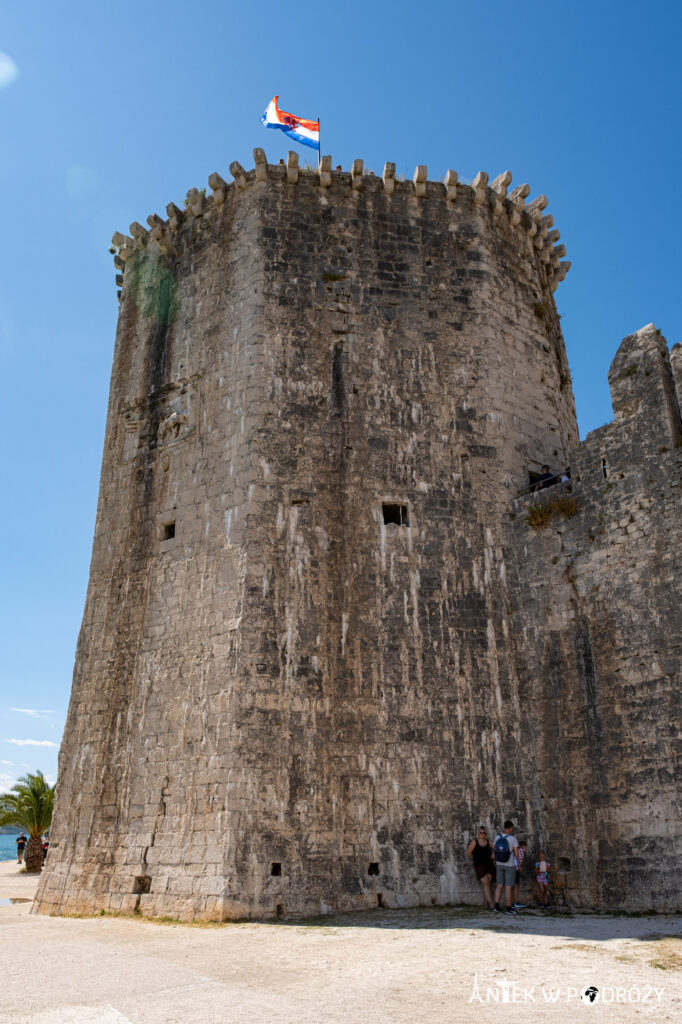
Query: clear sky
x=110 y=111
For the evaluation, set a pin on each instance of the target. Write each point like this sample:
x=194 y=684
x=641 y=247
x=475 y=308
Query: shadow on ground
x=593 y=926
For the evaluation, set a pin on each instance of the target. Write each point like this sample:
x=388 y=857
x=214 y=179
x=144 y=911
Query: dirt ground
x=388 y=967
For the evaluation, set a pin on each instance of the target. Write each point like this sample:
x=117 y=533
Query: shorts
x=506 y=874
x=482 y=870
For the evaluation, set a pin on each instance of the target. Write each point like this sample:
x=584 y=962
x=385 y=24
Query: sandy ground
x=387 y=967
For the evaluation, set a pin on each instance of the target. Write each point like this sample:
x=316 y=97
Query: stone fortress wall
x=316 y=647
x=599 y=620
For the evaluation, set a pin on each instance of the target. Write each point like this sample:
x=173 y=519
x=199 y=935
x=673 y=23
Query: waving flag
x=298 y=128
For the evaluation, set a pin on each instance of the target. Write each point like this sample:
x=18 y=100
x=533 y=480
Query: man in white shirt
x=506 y=869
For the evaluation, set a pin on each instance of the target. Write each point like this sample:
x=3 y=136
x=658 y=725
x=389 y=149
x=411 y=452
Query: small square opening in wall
x=141 y=885
x=167 y=531
x=276 y=869
x=373 y=869
x=396 y=514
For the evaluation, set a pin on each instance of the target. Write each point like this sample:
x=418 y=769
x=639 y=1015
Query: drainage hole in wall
x=276 y=869
x=279 y=911
x=380 y=900
x=141 y=884
x=373 y=869
x=167 y=531
x=564 y=865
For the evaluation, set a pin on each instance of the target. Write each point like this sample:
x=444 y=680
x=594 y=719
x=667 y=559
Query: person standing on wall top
x=505 y=847
x=480 y=851
x=544 y=479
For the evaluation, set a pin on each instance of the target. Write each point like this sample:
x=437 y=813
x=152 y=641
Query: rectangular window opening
x=276 y=869
x=167 y=531
x=142 y=884
x=395 y=514
x=373 y=869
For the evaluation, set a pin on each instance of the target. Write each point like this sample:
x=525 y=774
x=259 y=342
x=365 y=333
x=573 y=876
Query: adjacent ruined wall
x=600 y=628
x=268 y=673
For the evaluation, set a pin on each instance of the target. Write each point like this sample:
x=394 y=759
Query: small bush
x=538 y=515
x=329 y=276
x=631 y=371
x=564 y=505
x=540 y=310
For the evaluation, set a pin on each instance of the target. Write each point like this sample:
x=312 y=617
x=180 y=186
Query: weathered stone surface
x=600 y=617
x=314 y=634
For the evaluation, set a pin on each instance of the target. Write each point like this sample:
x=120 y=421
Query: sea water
x=8 y=845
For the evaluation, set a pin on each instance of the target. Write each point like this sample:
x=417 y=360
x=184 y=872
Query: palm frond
x=28 y=804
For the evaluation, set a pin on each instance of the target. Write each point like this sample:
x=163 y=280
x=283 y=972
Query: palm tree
x=29 y=805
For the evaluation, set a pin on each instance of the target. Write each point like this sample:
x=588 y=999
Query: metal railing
x=542 y=485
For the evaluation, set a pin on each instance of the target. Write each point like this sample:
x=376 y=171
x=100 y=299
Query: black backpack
x=501 y=848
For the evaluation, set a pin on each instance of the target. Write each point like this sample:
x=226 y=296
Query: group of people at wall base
x=503 y=860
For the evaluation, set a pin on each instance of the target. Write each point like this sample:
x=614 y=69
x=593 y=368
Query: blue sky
x=109 y=112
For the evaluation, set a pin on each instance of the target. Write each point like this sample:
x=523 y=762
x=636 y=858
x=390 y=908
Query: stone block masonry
x=600 y=624
x=312 y=654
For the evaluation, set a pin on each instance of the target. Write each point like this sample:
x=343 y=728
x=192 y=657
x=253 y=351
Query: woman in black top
x=480 y=851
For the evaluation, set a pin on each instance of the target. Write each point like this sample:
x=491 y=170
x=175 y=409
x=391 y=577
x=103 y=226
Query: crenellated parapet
x=527 y=219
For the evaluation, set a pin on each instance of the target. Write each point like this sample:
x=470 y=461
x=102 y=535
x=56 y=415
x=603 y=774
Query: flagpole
x=319 y=143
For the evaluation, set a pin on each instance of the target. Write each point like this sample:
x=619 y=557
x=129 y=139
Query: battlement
x=509 y=207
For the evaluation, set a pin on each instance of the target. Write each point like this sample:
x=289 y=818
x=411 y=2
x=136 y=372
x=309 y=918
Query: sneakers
x=519 y=906
x=510 y=910
x=496 y=910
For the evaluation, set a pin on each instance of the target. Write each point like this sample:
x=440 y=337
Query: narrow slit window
x=167 y=531
x=396 y=514
x=276 y=869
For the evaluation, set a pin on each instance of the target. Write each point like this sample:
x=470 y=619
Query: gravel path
x=387 y=967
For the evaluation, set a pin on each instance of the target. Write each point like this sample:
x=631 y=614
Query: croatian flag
x=305 y=132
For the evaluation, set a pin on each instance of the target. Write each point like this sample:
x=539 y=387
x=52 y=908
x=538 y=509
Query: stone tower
x=311 y=657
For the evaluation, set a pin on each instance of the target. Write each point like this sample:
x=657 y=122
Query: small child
x=542 y=867
x=520 y=854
